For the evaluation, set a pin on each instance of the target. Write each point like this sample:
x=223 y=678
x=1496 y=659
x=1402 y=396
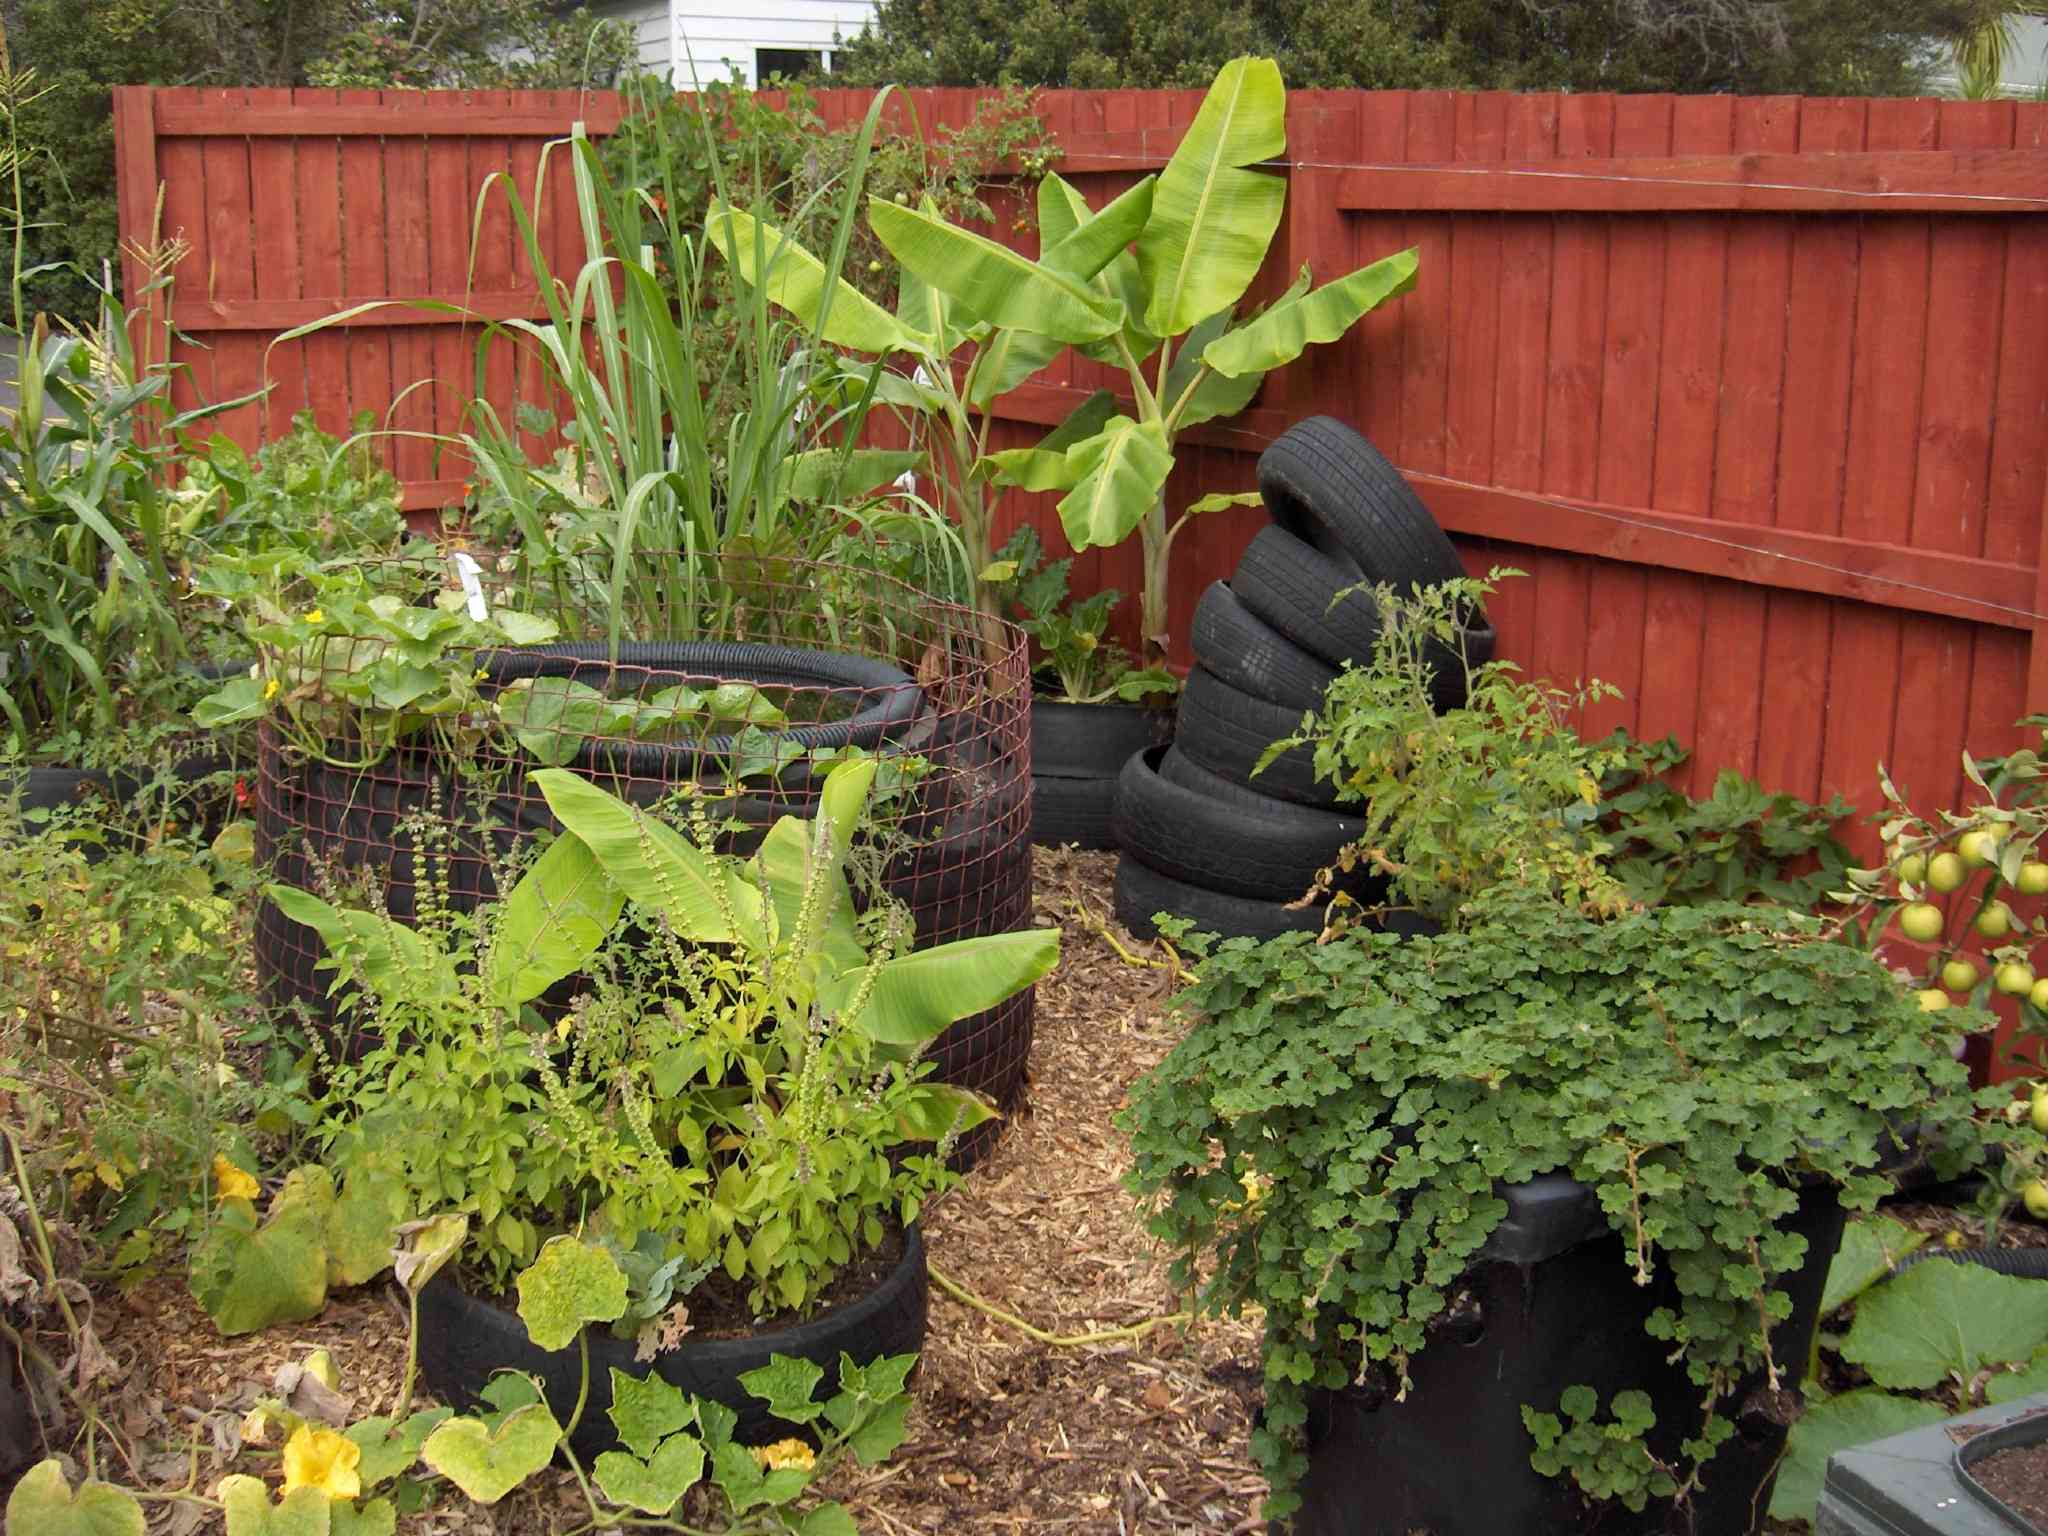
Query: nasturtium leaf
x=1854 y=1418
x=570 y=1284
x=1941 y=1318
x=786 y=1385
x=389 y=1449
x=43 y=1504
x=376 y=1517
x=655 y=1484
x=645 y=1410
x=248 y=1277
x=1871 y=1245
x=305 y=1512
x=487 y=1464
x=424 y=1246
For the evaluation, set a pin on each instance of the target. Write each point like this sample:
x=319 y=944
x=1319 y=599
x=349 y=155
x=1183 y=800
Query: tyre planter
x=1140 y=894
x=1201 y=829
x=1329 y=487
x=1077 y=751
x=1551 y=1302
x=463 y=1340
x=1251 y=655
x=1923 y=1483
x=1227 y=731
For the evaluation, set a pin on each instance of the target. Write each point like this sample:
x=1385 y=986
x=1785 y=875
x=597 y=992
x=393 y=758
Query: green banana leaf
x=1096 y=240
x=551 y=924
x=915 y=996
x=384 y=953
x=654 y=864
x=1048 y=467
x=796 y=282
x=1061 y=210
x=991 y=280
x=1292 y=326
x=1006 y=359
x=828 y=474
x=1212 y=220
x=1124 y=468
x=933 y=1111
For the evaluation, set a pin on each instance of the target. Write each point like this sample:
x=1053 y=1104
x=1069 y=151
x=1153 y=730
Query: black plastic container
x=1551 y=1303
x=1077 y=751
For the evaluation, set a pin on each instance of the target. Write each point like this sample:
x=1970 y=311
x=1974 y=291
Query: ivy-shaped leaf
x=748 y=1485
x=303 y=1512
x=570 y=1284
x=653 y=1485
x=786 y=1385
x=424 y=1246
x=377 y=1517
x=389 y=1449
x=248 y=1277
x=487 y=1465
x=43 y=1504
x=1942 y=1317
x=1854 y=1418
x=647 y=1409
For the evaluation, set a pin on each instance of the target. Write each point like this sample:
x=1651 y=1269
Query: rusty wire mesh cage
x=739 y=693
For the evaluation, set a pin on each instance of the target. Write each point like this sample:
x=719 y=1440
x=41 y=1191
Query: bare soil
x=1137 y=1434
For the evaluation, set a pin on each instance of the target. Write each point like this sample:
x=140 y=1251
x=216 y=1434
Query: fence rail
x=1754 y=389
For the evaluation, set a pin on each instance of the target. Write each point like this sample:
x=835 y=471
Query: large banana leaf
x=1047 y=467
x=385 y=953
x=796 y=282
x=551 y=924
x=1211 y=219
x=829 y=474
x=654 y=864
x=1124 y=468
x=1095 y=241
x=1290 y=327
x=1061 y=210
x=934 y=1111
x=1007 y=359
x=916 y=996
x=991 y=280
x=922 y=308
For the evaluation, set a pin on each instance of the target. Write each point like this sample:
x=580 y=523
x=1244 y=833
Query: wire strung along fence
x=1754 y=390
x=721 y=724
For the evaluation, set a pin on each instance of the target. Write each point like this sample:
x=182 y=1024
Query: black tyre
x=1292 y=586
x=1092 y=741
x=1073 y=812
x=1248 y=653
x=1327 y=485
x=463 y=1340
x=1237 y=842
x=1141 y=893
x=1227 y=731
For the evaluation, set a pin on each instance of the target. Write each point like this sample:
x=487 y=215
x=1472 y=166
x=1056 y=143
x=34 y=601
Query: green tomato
x=1960 y=974
x=2033 y=880
x=2039 y=998
x=2038 y=1113
x=1995 y=921
x=1946 y=872
x=1920 y=921
x=2036 y=1197
x=1912 y=869
x=1978 y=848
x=2014 y=979
x=1931 y=999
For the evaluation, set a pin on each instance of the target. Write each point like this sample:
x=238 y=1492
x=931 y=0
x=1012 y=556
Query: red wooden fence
x=1755 y=390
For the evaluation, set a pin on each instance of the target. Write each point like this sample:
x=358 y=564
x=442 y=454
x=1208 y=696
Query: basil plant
x=726 y=1086
x=1151 y=283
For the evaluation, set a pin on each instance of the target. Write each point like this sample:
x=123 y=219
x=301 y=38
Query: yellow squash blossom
x=315 y=616
x=270 y=689
x=323 y=1459
x=231 y=1183
x=785 y=1453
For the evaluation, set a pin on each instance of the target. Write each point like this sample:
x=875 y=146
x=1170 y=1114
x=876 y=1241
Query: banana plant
x=1151 y=283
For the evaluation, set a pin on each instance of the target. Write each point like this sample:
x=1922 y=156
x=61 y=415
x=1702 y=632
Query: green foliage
x=349 y=663
x=43 y=1504
x=248 y=1275
x=487 y=1458
x=1806 y=47
x=1499 y=791
x=306 y=492
x=1837 y=1424
x=1607 y=1460
x=570 y=1284
x=1069 y=634
x=1940 y=1321
x=1371 y=1093
x=249 y=1510
x=728 y=1086
x=1871 y=1248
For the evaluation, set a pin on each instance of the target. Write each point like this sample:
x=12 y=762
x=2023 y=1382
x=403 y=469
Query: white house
x=756 y=37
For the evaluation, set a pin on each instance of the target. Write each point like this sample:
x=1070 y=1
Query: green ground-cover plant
x=1326 y=1140
x=736 y=1075
x=678 y=1468
x=1068 y=633
x=317 y=495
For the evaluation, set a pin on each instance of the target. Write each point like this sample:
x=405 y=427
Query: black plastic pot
x=1552 y=1302
x=464 y=1340
x=1077 y=751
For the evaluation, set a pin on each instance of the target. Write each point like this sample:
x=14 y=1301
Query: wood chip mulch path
x=1135 y=1435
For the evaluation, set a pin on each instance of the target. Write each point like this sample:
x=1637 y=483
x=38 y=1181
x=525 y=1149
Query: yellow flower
x=314 y=616
x=232 y=1183
x=270 y=689
x=785 y=1453
x=323 y=1459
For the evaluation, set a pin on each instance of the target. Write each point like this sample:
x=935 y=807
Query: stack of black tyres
x=1203 y=835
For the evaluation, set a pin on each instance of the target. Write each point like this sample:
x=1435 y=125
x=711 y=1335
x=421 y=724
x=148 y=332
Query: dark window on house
x=785 y=61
